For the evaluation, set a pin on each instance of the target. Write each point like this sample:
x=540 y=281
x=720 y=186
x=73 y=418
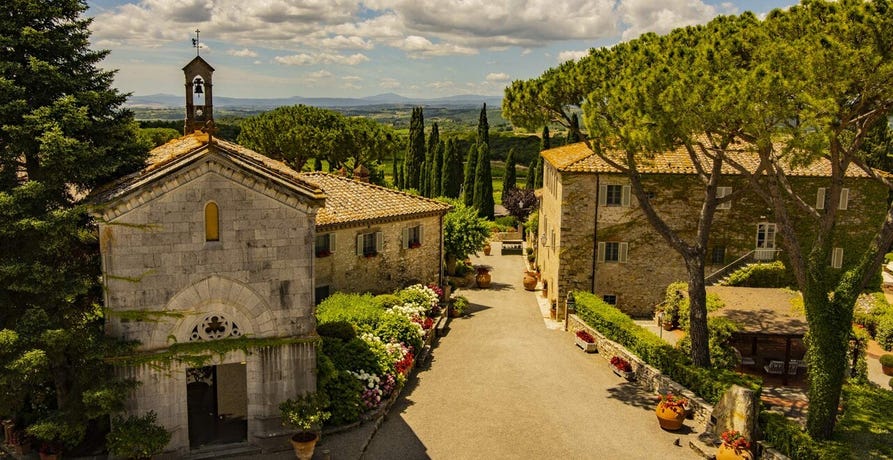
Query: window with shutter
x=369 y=244
x=844 y=199
x=412 y=237
x=820 y=198
x=837 y=258
x=722 y=192
x=325 y=244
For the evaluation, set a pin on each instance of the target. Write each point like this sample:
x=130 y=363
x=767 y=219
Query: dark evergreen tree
x=546 y=141
x=423 y=179
x=538 y=174
x=415 y=151
x=317 y=164
x=508 y=181
x=530 y=184
x=471 y=161
x=63 y=132
x=394 y=176
x=430 y=152
x=483 y=127
x=573 y=132
x=401 y=180
x=483 y=184
x=436 y=170
x=451 y=177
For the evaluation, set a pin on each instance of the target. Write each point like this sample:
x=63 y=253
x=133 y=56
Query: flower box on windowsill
x=324 y=253
x=588 y=347
x=415 y=245
x=370 y=255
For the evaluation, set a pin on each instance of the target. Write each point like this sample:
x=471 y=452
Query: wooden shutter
x=405 y=238
x=722 y=192
x=624 y=196
x=820 y=198
x=844 y=200
x=601 y=252
x=602 y=195
x=331 y=242
x=360 y=244
x=421 y=233
x=624 y=248
x=837 y=258
x=379 y=241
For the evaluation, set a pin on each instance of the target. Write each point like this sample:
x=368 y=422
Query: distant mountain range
x=169 y=100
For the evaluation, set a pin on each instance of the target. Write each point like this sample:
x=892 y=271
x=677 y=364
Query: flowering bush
x=735 y=440
x=404 y=365
x=585 y=336
x=621 y=364
x=372 y=392
x=437 y=290
x=673 y=402
x=420 y=294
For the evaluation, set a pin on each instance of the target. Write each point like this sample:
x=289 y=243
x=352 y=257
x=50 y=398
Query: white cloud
x=320 y=74
x=571 y=55
x=417 y=46
x=648 y=16
x=352 y=78
x=389 y=83
x=498 y=77
x=244 y=52
x=320 y=58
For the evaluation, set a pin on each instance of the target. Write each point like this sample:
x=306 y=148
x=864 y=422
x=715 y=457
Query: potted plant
x=585 y=340
x=487 y=248
x=887 y=363
x=305 y=413
x=671 y=411
x=734 y=447
x=529 y=280
x=482 y=276
x=623 y=368
x=458 y=306
x=50 y=451
x=137 y=437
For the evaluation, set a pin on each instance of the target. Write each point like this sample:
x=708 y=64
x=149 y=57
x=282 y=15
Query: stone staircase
x=720 y=276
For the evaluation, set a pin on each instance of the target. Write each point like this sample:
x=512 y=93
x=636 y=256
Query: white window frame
x=766 y=250
x=837 y=258
x=361 y=244
x=622 y=252
x=330 y=244
x=624 y=195
x=408 y=239
x=722 y=192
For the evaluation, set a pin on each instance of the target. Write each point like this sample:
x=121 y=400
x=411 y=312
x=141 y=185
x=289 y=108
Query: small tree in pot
x=305 y=413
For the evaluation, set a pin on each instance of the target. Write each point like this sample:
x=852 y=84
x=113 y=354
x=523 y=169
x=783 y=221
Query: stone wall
x=569 y=210
x=392 y=269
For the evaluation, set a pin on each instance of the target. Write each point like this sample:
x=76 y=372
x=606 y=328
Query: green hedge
x=709 y=384
x=762 y=275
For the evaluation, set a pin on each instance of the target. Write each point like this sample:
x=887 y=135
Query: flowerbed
x=369 y=346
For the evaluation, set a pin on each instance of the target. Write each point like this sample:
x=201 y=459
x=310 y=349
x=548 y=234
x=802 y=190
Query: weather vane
x=196 y=43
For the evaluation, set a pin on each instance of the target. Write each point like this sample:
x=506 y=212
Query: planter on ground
x=671 y=412
x=887 y=363
x=588 y=347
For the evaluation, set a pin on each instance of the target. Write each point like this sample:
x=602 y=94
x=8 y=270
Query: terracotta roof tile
x=350 y=201
x=578 y=158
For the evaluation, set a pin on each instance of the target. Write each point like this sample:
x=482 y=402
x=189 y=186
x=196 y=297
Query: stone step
x=224 y=451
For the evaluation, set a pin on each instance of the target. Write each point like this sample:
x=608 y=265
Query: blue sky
x=344 y=48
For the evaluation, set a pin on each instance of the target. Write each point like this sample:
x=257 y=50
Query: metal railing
x=757 y=255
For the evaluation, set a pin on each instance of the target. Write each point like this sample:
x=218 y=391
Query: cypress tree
x=470 y=166
x=401 y=180
x=531 y=176
x=434 y=183
x=415 y=151
x=573 y=133
x=317 y=164
x=430 y=151
x=483 y=184
x=451 y=176
x=508 y=182
x=545 y=141
x=394 y=177
x=538 y=174
x=423 y=179
x=483 y=127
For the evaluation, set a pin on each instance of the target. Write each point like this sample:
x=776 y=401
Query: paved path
x=501 y=385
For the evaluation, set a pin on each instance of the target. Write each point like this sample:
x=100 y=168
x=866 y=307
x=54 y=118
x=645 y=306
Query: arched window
x=212 y=222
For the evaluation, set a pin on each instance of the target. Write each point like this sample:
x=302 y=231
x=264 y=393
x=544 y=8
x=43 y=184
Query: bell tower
x=199 y=95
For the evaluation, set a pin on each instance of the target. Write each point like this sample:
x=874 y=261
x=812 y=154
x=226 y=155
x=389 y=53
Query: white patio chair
x=793 y=366
x=774 y=367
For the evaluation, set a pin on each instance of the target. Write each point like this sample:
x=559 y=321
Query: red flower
x=621 y=364
x=735 y=440
x=671 y=401
x=585 y=336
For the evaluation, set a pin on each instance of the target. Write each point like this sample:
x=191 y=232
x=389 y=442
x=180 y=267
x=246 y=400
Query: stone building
x=374 y=239
x=593 y=237
x=207 y=256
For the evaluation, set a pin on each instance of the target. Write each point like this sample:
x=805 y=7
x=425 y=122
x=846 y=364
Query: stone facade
x=396 y=266
x=167 y=283
x=576 y=224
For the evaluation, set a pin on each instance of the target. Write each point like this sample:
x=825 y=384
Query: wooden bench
x=512 y=247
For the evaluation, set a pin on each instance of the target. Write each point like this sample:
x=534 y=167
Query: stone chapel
x=207 y=256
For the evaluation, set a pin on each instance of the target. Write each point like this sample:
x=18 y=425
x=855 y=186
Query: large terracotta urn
x=670 y=417
x=727 y=452
x=529 y=281
x=483 y=279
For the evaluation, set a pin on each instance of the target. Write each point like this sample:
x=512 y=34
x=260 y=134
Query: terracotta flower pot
x=487 y=249
x=887 y=370
x=727 y=452
x=529 y=281
x=670 y=417
x=304 y=444
x=483 y=280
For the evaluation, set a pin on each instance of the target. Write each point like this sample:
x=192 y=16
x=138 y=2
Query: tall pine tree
x=415 y=150
x=530 y=183
x=434 y=182
x=483 y=184
x=64 y=132
x=508 y=182
x=451 y=176
x=471 y=161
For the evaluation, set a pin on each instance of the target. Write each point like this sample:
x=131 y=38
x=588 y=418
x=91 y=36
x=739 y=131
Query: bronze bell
x=198 y=86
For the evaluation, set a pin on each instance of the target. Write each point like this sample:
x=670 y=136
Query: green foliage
x=709 y=384
x=415 y=151
x=471 y=161
x=436 y=174
x=342 y=330
x=358 y=309
x=159 y=136
x=137 y=437
x=886 y=360
x=451 y=181
x=530 y=180
x=538 y=173
x=676 y=296
x=870 y=308
x=398 y=328
x=342 y=389
x=305 y=412
x=386 y=301
x=507 y=221
x=773 y=274
x=483 y=184
x=719 y=336
x=460 y=305
x=483 y=128
x=463 y=231
x=533 y=223
x=508 y=181
x=57 y=431
x=884 y=334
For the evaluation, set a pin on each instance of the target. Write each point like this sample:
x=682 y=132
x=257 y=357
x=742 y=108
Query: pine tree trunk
x=829 y=330
x=697 y=297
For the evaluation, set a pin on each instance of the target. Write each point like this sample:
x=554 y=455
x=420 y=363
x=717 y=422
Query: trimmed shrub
x=342 y=389
x=709 y=384
x=399 y=328
x=762 y=275
x=386 y=301
x=353 y=355
x=884 y=331
x=886 y=360
x=354 y=308
x=337 y=329
x=507 y=221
